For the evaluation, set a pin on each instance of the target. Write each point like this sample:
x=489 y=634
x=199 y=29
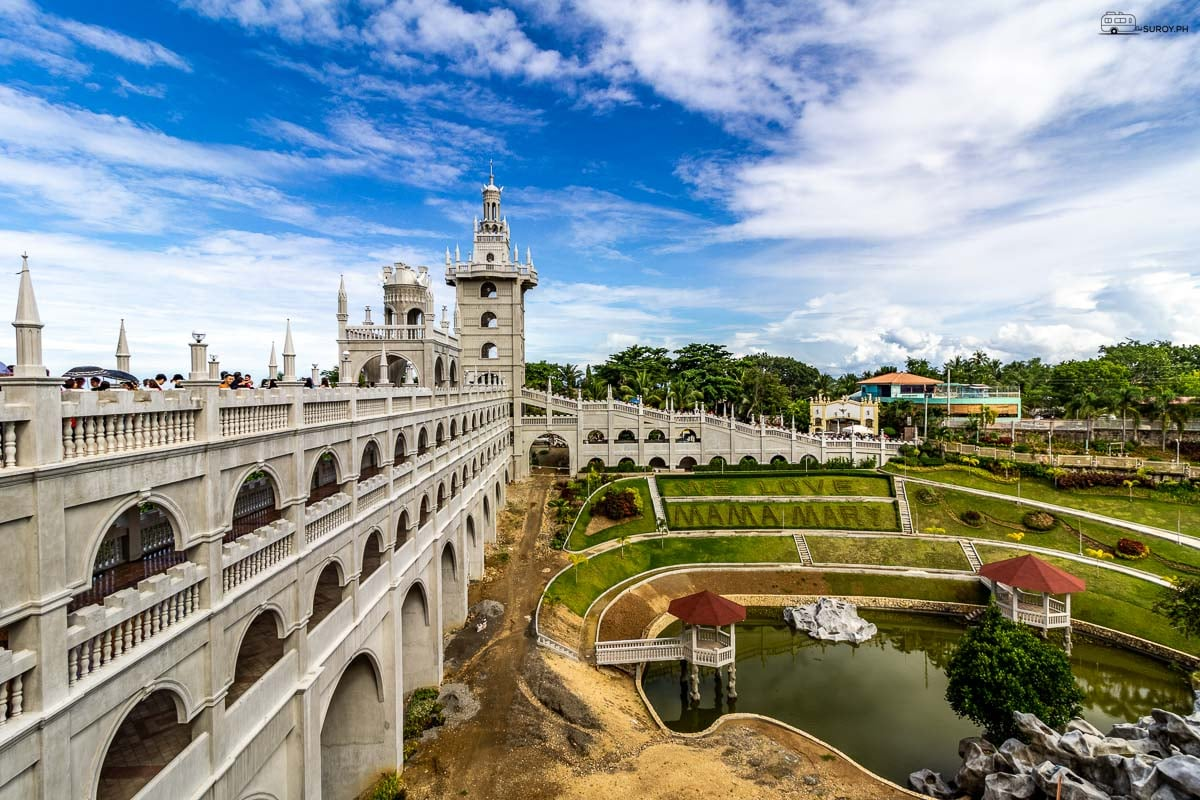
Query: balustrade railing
x=157 y=537
x=8 y=445
x=372 y=492
x=317 y=413
x=242 y=420
x=372 y=407
x=99 y=635
x=381 y=332
x=14 y=666
x=255 y=552
x=326 y=516
x=102 y=434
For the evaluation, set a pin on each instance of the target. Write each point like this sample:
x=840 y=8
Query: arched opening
x=254 y=505
x=489 y=320
x=656 y=436
x=687 y=462
x=441 y=496
x=596 y=465
x=453 y=372
x=778 y=460
x=372 y=555
x=439 y=372
x=596 y=437
x=748 y=461
x=327 y=595
x=262 y=646
x=688 y=435
x=475 y=554
x=551 y=451
x=139 y=543
x=401 y=454
x=400 y=371
x=657 y=463
x=453 y=485
x=497 y=495
x=474 y=422
x=810 y=461
x=389 y=316
x=488 y=290
x=464 y=477
x=147 y=740
x=372 y=463
x=324 y=481
x=415 y=317
x=403 y=529
x=474 y=467
x=487 y=511
x=355 y=744
x=425 y=515
x=440 y=435
x=420 y=641
x=489 y=350
x=626 y=436
x=423 y=442
x=453 y=429
x=454 y=594
x=626 y=465
x=716 y=461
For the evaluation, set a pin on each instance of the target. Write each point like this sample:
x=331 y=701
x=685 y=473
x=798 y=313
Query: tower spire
x=273 y=364
x=122 y=350
x=29 y=328
x=289 y=356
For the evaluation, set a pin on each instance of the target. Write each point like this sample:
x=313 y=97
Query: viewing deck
x=704 y=647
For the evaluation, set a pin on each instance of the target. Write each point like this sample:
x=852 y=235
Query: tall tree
x=1180 y=604
x=1128 y=399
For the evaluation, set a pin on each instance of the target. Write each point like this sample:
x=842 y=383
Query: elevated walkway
x=705 y=648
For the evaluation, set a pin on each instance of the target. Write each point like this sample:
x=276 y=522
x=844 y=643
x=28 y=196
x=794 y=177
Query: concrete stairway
x=802 y=549
x=656 y=499
x=972 y=555
x=906 y=525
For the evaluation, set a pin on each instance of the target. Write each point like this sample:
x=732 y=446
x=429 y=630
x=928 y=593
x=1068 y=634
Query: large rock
x=1171 y=729
x=978 y=763
x=1009 y=787
x=830 y=619
x=1062 y=783
x=930 y=783
x=1128 y=730
x=1181 y=772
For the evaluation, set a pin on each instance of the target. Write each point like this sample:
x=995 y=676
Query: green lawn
x=578 y=587
x=895 y=551
x=1064 y=536
x=844 y=583
x=1146 y=508
x=631 y=526
x=861 y=516
x=815 y=485
x=1113 y=600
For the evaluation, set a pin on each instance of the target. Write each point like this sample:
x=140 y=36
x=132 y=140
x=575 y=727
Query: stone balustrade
x=255 y=552
x=14 y=666
x=241 y=420
x=100 y=634
x=319 y=413
x=372 y=491
x=101 y=423
x=321 y=519
x=8 y=443
x=371 y=407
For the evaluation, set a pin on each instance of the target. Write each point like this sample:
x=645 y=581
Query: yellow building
x=838 y=415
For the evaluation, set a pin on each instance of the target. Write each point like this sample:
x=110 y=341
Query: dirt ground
x=550 y=727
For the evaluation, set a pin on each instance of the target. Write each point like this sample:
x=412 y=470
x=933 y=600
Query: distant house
x=959 y=399
x=839 y=415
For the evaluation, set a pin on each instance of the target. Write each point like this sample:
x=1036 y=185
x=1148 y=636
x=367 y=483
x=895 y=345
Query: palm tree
x=640 y=384
x=1179 y=414
x=1160 y=404
x=823 y=385
x=1087 y=405
x=570 y=376
x=1127 y=400
x=684 y=393
x=593 y=386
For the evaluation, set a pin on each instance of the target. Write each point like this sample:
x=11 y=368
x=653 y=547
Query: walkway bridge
x=703 y=647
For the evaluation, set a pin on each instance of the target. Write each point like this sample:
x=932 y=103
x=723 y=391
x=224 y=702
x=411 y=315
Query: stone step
x=972 y=555
x=802 y=549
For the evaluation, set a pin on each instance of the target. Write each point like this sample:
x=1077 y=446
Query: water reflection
x=882 y=702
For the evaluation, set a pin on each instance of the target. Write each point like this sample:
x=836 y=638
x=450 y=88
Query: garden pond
x=883 y=702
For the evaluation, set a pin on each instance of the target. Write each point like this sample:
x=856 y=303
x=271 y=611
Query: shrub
x=619 y=503
x=1038 y=520
x=390 y=786
x=928 y=495
x=1132 y=549
x=423 y=712
x=972 y=518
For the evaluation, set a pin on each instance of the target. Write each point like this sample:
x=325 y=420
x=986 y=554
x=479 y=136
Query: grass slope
x=893 y=551
x=869 y=516
x=815 y=485
x=634 y=525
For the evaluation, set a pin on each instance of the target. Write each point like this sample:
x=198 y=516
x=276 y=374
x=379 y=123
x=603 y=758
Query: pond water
x=883 y=702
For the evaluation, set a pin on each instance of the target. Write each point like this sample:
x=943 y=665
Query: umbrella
x=4 y=368
x=101 y=373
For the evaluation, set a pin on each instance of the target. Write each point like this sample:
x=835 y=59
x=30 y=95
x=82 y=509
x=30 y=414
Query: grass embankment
x=894 y=551
x=643 y=523
x=948 y=591
x=798 y=484
x=1003 y=517
x=726 y=514
x=581 y=585
x=1146 y=508
x=1113 y=600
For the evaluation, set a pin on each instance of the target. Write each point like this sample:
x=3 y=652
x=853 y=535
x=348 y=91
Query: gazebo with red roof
x=1026 y=589
x=703 y=615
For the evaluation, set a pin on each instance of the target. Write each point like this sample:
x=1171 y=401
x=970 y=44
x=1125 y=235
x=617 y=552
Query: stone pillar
x=199 y=368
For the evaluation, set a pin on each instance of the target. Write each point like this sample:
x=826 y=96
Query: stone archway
x=474 y=550
x=420 y=641
x=355 y=745
x=149 y=737
x=454 y=590
x=550 y=450
x=261 y=647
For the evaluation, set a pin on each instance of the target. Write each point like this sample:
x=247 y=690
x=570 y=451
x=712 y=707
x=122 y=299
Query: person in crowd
x=105 y=386
x=79 y=383
x=247 y=382
x=226 y=382
x=95 y=382
x=68 y=384
x=325 y=383
x=129 y=385
x=149 y=384
x=308 y=384
x=160 y=380
x=273 y=384
x=264 y=384
x=176 y=381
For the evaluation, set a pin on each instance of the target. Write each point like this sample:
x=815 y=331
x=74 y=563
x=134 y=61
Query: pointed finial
x=27 y=310
x=122 y=343
x=529 y=255
x=447 y=256
x=491 y=174
x=289 y=349
x=341 y=286
x=457 y=254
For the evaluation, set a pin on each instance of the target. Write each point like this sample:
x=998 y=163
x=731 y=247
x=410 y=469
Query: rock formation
x=831 y=619
x=1155 y=758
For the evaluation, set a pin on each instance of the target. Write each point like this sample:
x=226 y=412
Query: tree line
x=1133 y=380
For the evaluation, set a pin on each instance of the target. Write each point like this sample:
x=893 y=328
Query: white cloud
x=138 y=51
x=296 y=20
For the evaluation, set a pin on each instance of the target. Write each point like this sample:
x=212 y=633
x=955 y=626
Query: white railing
x=255 y=552
x=98 y=635
x=335 y=411
x=551 y=643
x=14 y=666
x=371 y=491
x=157 y=536
x=632 y=651
x=8 y=443
x=321 y=519
x=253 y=496
x=717 y=657
x=101 y=434
x=373 y=407
x=242 y=420
x=382 y=332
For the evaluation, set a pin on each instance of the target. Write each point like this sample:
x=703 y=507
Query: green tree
x=568 y=377
x=1087 y=405
x=1159 y=405
x=653 y=361
x=1128 y=399
x=641 y=383
x=1180 y=604
x=538 y=373
x=1001 y=667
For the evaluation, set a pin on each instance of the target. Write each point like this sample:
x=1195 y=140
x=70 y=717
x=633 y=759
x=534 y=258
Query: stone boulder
x=1169 y=730
x=1015 y=757
x=930 y=783
x=1181 y=773
x=1061 y=782
x=830 y=619
x=1009 y=787
x=978 y=757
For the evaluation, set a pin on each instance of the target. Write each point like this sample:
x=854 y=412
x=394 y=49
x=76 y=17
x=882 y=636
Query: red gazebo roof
x=706 y=608
x=1032 y=574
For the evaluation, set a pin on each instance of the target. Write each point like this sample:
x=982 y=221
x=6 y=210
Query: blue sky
x=848 y=183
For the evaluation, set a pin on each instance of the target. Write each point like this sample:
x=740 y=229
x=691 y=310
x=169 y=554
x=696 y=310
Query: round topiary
x=1131 y=549
x=971 y=518
x=1038 y=520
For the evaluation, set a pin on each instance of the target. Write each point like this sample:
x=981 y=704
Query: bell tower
x=491 y=288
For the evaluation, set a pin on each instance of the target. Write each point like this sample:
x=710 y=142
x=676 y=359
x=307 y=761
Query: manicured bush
x=972 y=518
x=1131 y=549
x=619 y=503
x=1038 y=520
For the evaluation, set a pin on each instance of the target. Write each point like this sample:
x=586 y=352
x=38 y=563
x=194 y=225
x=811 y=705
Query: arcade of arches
x=354 y=734
x=149 y=737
